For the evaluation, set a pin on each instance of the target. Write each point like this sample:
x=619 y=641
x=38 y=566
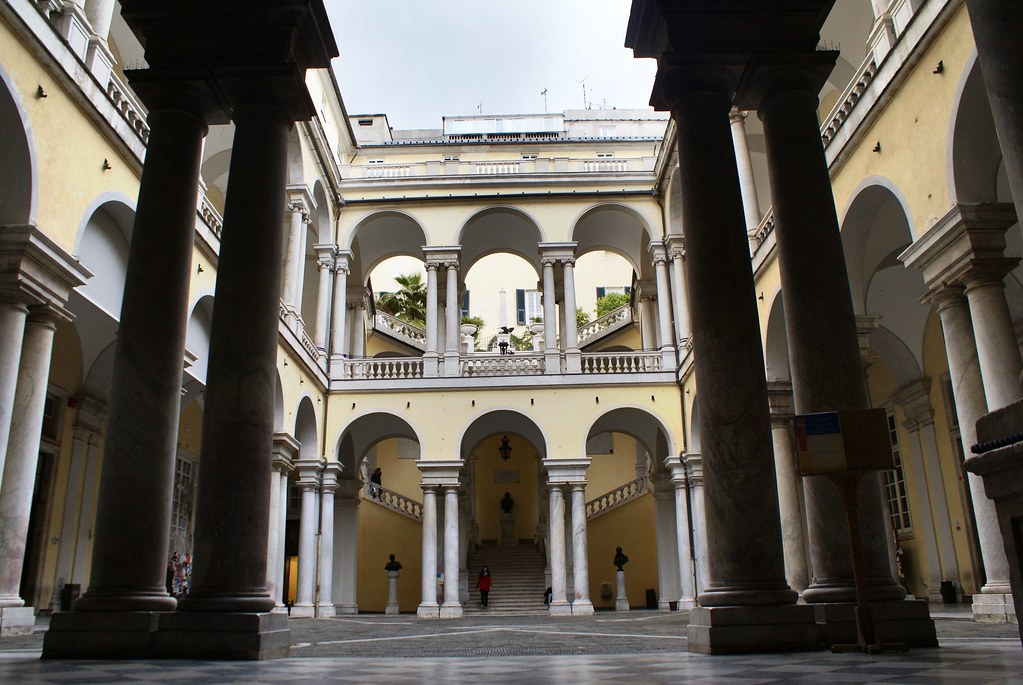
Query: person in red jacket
x=483 y=585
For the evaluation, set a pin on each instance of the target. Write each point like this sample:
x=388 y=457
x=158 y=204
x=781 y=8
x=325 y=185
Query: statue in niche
x=507 y=503
x=620 y=558
x=392 y=565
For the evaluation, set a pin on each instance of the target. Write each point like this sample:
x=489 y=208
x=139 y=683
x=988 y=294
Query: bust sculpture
x=392 y=565
x=620 y=558
x=507 y=503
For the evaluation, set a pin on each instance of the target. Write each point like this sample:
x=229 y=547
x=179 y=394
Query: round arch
x=380 y=235
x=616 y=228
x=365 y=431
x=776 y=353
x=19 y=193
x=501 y=421
x=974 y=155
x=645 y=427
x=305 y=430
x=499 y=229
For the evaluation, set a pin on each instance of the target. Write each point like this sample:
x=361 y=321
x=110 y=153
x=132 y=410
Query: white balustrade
x=494 y=168
x=388 y=368
x=852 y=94
x=611 y=319
x=605 y=165
x=617 y=497
x=210 y=216
x=388 y=170
x=409 y=332
x=394 y=501
x=620 y=362
x=502 y=365
x=129 y=106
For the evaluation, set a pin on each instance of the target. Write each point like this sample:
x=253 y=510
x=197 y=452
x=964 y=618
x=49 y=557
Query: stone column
x=326 y=264
x=693 y=464
x=827 y=373
x=12 y=331
x=346 y=547
x=997 y=27
x=282 y=524
x=285 y=447
x=294 y=261
x=687 y=594
x=229 y=571
x=19 y=472
x=141 y=435
x=677 y=252
x=646 y=319
x=581 y=604
x=338 y=347
x=453 y=309
x=430 y=365
x=747 y=182
x=452 y=606
x=309 y=482
x=993 y=602
x=358 y=342
x=72 y=512
x=428 y=607
x=573 y=362
x=660 y=258
x=667 y=541
x=556 y=552
x=745 y=569
x=997 y=347
x=796 y=572
x=931 y=521
x=552 y=358
x=324 y=580
x=273 y=542
x=98 y=58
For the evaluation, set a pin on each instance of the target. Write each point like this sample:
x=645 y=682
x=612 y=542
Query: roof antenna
x=544 y=93
x=586 y=103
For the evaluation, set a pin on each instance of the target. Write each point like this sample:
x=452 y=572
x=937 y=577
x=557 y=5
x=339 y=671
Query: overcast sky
x=419 y=60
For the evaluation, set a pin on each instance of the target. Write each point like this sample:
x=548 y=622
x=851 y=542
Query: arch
x=379 y=235
x=365 y=431
x=675 y=202
x=197 y=336
x=278 y=403
x=499 y=229
x=321 y=216
x=645 y=427
x=617 y=228
x=694 y=445
x=776 y=353
x=19 y=193
x=102 y=248
x=502 y=421
x=896 y=355
x=974 y=155
x=305 y=430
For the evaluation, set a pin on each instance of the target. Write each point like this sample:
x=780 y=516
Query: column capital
x=342 y=261
x=779 y=399
x=737 y=116
x=769 y=74
x=559 y=252
x=441 y=256
x=866 y=324
x=331 y=475
x=35 y=270
x=439 y=473
x=566 y=471
x=658 y=252
x=693 y=462
x=302 y=197
x=91 y=414
x=678 y=470
x=308 y=473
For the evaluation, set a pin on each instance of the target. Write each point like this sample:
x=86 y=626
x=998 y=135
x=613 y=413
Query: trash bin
x=948 y=592
x=68 y=594
x=651 y=598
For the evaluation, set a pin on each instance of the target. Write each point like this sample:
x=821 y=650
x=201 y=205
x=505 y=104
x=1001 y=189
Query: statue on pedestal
x=392 y=567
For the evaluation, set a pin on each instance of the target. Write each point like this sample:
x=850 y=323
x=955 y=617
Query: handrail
x=850 y=96
x=408 y=331
x=620 y=362
x=389 y=499
x=613 y=499
x=519 y=364
x=387 y=368
x=595 y=327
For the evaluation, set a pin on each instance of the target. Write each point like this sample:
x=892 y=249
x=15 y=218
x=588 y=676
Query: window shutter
x=628 y=290
x=465 y=303
x=601 y=292
x=520 y=306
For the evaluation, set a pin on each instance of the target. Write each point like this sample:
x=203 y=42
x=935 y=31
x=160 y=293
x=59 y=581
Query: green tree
x=409 y=302
x=476 y=321
x=610 y=302
x=582 y=317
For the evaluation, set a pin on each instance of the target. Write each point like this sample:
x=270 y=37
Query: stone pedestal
x=906 y=621
x=621 y=599
x=749 y=629
x=17 y=620
x=392 y=593
x=508 y=530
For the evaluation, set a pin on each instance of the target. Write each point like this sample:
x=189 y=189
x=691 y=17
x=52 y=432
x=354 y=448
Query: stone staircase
x=518 y=578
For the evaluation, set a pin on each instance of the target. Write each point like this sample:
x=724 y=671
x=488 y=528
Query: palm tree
x=409 y=302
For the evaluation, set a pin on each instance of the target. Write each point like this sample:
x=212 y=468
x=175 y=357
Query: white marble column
x=677 y=253
x=453 y=310
x=100 y=13
x=694 y=475
x=338 y=347
x=552 y=357
x=324 y=580
x=87 y=517
x=452 y=606
x=346 y=548
x=687 y=590
x=326 y=264
x=298 y=214
x=997 y=346
x=23 y=450
x=791 y=515
x=660 y=258
x=273 y=543
x=12 y=331
x=72 y=510
x=581 y=604
x=747 y=182
x=430 y=365
x=282 y=523
x=573 y=362
x=284 y=449
x=428 y=607
x=358 y=342
x=667 y=542
x=309 y=482
x=556 y=552
x=968 y=391
x=648 y=331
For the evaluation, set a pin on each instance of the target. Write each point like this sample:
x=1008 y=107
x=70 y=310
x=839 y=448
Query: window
x=377 y=160
x=181 y=506
x=609 y=289
x=294 y=498
x=528 y=155
x=450 y=158
x=51 y=417
x=365 y=122
x=605 y=155
x=608 y=131
x=528 y=306
x=895 y=485
x=465 y=304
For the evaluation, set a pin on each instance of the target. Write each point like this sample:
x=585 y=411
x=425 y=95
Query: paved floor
x=640 y=646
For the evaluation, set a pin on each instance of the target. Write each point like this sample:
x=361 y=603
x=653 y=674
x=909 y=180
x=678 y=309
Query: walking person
x=483 y=585
x=374 y=488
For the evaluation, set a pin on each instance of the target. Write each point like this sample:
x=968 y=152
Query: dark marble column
x=827 y=374
x=231 y=526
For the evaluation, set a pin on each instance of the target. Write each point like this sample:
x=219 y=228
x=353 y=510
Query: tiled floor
x=642 y=647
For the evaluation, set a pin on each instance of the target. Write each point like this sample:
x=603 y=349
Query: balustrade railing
x=129 y=106
x=389 y=171
x=393 y=501
x=502 y=365
x=210 y=216
x=617 y=497
x=388 y=368
x=604 y=165
x=594 y=328
x=852 y=94
x=493 y=168
x=402 y=329
x=620 y=362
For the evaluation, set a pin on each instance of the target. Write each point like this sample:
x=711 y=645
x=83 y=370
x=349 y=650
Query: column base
x=391 y=610
x=582 y=607
x=452 y=365
x=907 y=621
x=753 y=629
x=993 y=608
x=686 y=603
x=102 y=635
x=552 y=363
x=303 y=611
x=74 y=27
x=17 y=620
x=326 y=611
x=622 y=604
x=450 y=610
x=100 y=60
x=431 y=365
x=573 y=361
x=561 y=608
x=212 y=635
x=428 y=610
x=346 y=609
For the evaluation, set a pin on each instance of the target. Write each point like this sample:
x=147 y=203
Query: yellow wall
x=630 y=527
x=399 y=475
x=383 y=532
x=525 y=493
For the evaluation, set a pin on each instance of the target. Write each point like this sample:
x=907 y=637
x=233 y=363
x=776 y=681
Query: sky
x=419 y=60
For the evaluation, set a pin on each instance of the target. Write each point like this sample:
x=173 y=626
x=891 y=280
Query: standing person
x=374 y=488
x=483 y=585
